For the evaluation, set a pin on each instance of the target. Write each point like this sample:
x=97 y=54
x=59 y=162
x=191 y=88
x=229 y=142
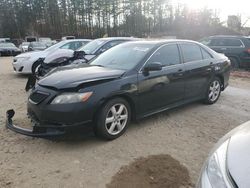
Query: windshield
x=126 y=57
x=7 y=45
x=25 y=44
x=38 y=44
x=55 y=46
x=44 y=39
x=92 y=46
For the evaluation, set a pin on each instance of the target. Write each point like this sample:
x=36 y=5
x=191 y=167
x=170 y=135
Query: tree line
x=98 y=18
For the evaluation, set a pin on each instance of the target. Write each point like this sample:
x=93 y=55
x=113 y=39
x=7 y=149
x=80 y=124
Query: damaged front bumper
x=36 y=131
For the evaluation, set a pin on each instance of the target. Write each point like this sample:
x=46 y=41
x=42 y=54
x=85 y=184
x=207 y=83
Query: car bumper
x=10 y=53
x=37 y=130
x=22 y=68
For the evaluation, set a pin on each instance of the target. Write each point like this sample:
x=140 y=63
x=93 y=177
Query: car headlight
x=67 y=98
x=215 y=173
x=21 y=59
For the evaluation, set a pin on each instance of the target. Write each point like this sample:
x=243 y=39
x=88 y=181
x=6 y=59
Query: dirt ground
x=81 y=160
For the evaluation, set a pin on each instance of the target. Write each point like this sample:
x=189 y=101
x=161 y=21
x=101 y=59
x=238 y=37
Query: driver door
x=159 y=89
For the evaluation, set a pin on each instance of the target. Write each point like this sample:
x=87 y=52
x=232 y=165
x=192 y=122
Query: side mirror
x=155 y=66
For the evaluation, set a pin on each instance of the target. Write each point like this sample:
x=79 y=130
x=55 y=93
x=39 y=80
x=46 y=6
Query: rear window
x=191 y=52
x=226 y=42
x=205 y=54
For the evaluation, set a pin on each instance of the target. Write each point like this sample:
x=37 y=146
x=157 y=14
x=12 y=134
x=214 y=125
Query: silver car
x=228 y=165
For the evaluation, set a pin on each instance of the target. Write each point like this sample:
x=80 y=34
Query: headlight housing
x=215 y=173
x=21 y=59
x=68 y=98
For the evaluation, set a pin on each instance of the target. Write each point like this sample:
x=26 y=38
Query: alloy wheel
x=214 y=91
x=116 y=119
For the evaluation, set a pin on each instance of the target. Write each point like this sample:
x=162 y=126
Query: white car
x=228 y=164
x=25 y=63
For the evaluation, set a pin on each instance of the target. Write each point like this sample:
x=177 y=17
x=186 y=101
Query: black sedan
x=130 y=81
x=8 y=49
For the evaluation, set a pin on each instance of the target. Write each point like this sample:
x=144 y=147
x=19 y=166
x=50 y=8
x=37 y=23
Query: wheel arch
x=221 y=77
x=124 y=96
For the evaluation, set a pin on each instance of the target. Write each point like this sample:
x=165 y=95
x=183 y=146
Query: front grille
x=37 y=97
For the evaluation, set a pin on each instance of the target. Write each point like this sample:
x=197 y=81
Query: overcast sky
x=224 y=7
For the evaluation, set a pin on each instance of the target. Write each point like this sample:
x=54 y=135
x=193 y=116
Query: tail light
x=248 y=50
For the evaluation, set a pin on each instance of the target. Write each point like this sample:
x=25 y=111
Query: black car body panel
x=146 y=92
x=75 y=76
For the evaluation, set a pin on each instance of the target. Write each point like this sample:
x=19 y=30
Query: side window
x=205 y=54
x=206 y=41
x=218 y=42
x=66 y=46
x=191 y=52
x=233 y=42
x=167 y=55
x=72 y=45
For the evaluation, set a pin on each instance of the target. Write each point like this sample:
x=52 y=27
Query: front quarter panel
x=125 y=86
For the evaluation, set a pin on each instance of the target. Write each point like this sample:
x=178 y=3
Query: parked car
x=8 y=49
x=98 y=46
x=46 y=40
x=64 y=57
x=24 y=46
x=37 y=46
x=31 y=39
x=228 y=164
x=25 y=63
x=4 y=40
x=130 y=81
x=236 y=48
x=68 y=37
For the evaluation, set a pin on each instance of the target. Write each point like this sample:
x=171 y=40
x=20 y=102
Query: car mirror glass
x=155 y=66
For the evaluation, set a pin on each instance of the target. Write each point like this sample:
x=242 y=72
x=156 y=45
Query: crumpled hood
x=60 y=53
x=73 y=76
x=238 y=156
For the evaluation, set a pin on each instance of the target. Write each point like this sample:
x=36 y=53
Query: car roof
x=227 y=36
x=163 y=41
x=118 y=38
x=72 y=40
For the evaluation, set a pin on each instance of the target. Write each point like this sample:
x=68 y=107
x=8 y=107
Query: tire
x=34 y=67
x=234 y=63
x=213 y=91
x=110 y=123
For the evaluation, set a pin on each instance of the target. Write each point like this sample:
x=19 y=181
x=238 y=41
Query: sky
x=224 y=7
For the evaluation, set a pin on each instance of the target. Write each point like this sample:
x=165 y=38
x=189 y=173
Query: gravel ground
x=81 y=160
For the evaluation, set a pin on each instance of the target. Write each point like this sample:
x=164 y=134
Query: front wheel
x=213 y=91
x=113 y=119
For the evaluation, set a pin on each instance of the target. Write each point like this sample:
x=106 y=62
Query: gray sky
x=224 y=7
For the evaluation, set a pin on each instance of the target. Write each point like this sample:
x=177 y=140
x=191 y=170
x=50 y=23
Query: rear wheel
x=213 y=91
x=234 y=63
x=113 y=119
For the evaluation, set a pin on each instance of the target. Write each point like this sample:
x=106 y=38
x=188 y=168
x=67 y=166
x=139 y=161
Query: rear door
x=159 y=89
x=198 y=65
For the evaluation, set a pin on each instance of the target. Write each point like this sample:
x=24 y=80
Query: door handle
x=211 y=63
